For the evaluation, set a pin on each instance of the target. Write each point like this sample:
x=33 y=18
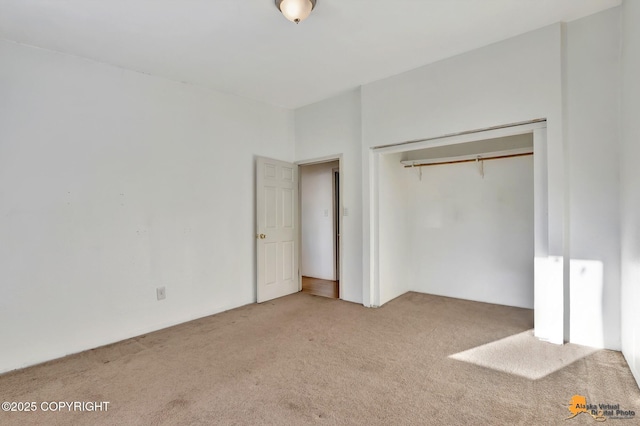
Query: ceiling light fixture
x=296 y=10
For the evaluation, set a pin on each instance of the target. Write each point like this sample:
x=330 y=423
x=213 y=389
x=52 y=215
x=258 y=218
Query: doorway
x=320 y=228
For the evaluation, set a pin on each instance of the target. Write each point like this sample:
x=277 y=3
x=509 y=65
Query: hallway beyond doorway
x=319 y=287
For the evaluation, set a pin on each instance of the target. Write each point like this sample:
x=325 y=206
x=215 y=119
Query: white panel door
x=277 y=228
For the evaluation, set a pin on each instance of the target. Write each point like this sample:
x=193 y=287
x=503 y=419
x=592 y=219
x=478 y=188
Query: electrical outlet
x=160 y=292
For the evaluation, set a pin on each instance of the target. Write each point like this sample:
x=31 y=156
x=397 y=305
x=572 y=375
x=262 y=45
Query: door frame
x=309 y=162
x=335 y=187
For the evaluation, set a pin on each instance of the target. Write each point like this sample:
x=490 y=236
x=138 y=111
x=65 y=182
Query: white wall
x=516 y=80
x=592 y=93
x=568 y=75
x=630 y=193
x=392 y=266
x=472 y=237
x=317 y=221
x=113 y=183
x=330 y=128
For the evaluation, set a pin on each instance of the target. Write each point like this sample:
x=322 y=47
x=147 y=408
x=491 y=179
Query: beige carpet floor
x=305 y=359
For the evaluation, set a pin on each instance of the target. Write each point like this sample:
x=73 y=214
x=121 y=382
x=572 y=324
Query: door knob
x=261 y=236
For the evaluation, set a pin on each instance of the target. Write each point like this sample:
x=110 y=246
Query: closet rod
x=469 y=160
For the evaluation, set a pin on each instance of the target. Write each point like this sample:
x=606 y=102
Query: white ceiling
x=246 y=47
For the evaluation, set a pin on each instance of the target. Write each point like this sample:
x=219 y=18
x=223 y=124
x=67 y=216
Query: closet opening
x=466 y=216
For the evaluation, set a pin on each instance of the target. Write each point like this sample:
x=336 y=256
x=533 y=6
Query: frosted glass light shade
x=296 y=10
